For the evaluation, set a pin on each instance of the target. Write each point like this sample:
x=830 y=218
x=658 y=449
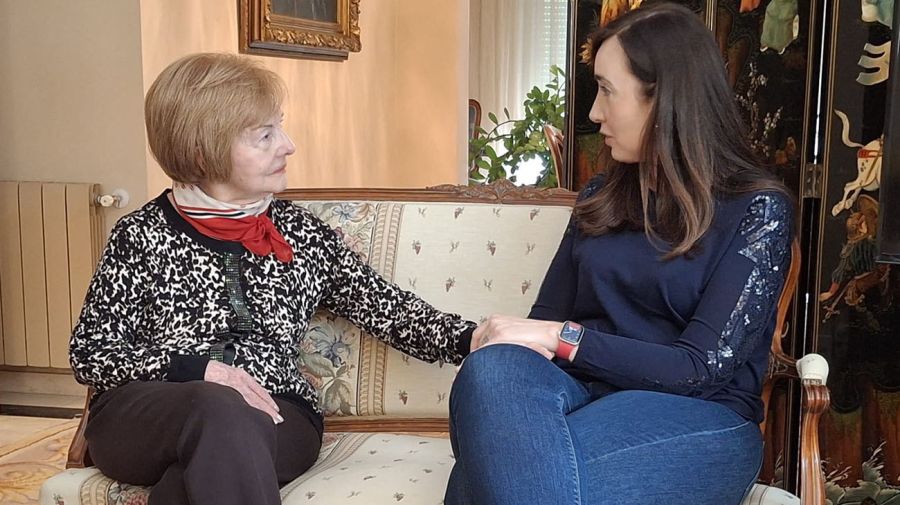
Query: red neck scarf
x=248 y=223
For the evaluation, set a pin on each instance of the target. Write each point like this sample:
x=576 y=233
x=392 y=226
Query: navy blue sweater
x=697 y=326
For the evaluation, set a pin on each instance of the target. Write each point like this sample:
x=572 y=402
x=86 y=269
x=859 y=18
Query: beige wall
x=432 y=90
x=70 y=94
x=392 y=115
x=73 y=75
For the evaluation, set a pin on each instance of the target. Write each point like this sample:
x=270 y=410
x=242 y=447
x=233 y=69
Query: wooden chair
x=811 y=371
x=474 y=118
x=555 y=142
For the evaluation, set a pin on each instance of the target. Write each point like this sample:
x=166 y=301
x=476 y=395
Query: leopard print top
x=159 y=294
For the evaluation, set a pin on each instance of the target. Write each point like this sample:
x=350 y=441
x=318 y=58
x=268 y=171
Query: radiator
x=50 y=241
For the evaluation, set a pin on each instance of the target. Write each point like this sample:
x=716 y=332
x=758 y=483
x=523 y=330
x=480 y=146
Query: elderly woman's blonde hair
x=197 y=107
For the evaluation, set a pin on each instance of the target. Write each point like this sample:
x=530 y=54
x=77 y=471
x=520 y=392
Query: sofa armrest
x=813 y=370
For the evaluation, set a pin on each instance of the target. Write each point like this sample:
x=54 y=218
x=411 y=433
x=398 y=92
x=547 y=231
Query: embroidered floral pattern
x=327 y=358
x=353 y=221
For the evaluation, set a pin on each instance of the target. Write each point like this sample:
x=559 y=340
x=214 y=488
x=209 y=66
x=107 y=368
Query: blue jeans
x=525 y=432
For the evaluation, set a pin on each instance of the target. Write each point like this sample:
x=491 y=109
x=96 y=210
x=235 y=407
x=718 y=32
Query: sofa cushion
x=761 y=494
x=371 y=468
x=496 y=254
x=375 y=469
x=65 y=487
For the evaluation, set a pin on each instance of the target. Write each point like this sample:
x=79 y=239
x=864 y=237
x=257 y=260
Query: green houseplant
x=524 y=139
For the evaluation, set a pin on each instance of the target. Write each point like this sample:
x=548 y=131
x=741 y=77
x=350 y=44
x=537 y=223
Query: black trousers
x=199 y=443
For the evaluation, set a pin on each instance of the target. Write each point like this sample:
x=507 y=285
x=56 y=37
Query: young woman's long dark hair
x=694 y=148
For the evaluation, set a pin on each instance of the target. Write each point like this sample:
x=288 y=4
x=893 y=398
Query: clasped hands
x=539 y=336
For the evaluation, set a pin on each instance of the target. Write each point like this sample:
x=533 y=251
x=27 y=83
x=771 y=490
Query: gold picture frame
x=307 y=29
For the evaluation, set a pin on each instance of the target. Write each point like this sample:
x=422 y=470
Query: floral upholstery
x=470 y=258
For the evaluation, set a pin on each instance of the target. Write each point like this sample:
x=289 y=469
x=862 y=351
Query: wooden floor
x=13 y=428
x=32 y=449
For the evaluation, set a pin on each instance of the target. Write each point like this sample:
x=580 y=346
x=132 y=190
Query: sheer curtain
x=512 y=44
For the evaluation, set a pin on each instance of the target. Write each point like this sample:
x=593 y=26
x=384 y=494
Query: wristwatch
x=569 y=338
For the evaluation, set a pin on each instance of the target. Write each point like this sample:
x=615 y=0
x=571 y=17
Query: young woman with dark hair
x=637 y=376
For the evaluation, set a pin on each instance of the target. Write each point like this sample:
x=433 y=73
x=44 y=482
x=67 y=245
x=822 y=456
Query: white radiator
x=50 y=241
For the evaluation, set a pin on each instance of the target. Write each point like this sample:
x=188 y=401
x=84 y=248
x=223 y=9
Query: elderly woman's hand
x=539 y=336
x=243 y=383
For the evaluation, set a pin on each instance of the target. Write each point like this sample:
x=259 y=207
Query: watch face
x=571 y=333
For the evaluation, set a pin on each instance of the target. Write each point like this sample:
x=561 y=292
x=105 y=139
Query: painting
x=308 y=29
x=857 y=317
x=889 y=193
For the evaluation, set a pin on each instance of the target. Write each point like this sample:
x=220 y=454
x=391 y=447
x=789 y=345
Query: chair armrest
x=78 y=454
x=813 y=370
x=813 y=367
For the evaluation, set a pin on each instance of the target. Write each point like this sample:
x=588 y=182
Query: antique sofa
x=469 y=250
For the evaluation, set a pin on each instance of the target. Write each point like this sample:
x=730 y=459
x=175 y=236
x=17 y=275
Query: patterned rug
x=26 y=463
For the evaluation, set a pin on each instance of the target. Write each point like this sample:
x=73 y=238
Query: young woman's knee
x=500 y=362
x=502 y=372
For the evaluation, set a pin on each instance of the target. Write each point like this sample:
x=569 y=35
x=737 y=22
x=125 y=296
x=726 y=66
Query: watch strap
x=564 y=350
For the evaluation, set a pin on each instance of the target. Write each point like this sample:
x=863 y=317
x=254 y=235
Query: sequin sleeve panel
x=731 y=325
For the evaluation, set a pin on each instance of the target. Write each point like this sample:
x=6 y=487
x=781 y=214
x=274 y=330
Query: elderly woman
x=189 y=331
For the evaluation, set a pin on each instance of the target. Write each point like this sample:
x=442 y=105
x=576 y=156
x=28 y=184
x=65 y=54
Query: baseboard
x=39 y=411
x=26 y=404
x=25 y=381
x=38 y=394
x=26 y=393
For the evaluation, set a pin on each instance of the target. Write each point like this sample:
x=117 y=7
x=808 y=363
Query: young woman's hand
x=539 y=336
x=243 y=383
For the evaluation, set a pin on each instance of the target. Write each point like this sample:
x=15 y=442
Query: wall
x=73 y=76
x=70 y=111
x=70 y=94
x=391 y=115
x=432 y=68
